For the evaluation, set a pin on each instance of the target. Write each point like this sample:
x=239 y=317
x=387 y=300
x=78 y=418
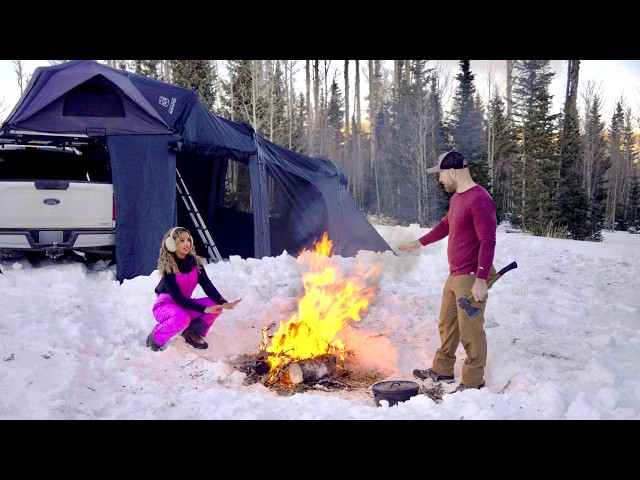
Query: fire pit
x=307 y=344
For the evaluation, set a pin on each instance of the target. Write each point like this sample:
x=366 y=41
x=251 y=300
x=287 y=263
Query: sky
x=563 y=332
x=614 y=79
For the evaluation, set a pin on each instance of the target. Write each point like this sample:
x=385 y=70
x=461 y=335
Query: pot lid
x=394 y=386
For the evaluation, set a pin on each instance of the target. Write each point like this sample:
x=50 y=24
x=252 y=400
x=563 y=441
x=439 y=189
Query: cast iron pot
x=394 y=391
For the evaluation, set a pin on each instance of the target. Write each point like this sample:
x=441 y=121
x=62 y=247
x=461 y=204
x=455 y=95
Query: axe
x=474 y=308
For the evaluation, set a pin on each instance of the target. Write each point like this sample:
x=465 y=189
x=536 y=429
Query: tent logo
x=165 y=102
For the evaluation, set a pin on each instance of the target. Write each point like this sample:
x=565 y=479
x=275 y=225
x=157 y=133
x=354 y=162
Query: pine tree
x=501 y=146
x=595 y=164
x=196 y=75
x=148 y=68
x=335 y=122
x=536 y=175
x=467 y=126
x=615 y=179
x=572 y=199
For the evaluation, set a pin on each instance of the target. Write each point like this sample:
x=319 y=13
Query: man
x=470 y=224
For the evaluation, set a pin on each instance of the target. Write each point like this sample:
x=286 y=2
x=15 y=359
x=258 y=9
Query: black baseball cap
x=447 y=160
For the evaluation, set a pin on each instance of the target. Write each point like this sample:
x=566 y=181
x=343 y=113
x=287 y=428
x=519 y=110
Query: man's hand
x=409 y=246
x=479 y=289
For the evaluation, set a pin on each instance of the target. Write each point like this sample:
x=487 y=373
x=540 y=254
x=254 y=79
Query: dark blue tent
x=151 y=128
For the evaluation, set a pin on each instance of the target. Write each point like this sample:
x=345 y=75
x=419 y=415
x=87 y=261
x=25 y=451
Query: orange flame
x=329 y=303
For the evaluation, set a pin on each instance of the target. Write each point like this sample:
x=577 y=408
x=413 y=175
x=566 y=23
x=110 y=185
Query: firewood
x=270 y=380
x=311 y=370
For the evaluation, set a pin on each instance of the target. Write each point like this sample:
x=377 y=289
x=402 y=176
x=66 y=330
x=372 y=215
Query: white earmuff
x=170 y=242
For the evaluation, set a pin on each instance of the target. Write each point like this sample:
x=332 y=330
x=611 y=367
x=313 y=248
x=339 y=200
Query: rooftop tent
x=151 y=128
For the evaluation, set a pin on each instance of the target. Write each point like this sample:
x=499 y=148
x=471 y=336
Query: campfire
x=307 y=347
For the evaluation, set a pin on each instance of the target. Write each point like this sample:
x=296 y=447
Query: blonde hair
x=167 y=260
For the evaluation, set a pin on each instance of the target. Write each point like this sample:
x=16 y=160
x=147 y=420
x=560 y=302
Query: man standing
x=470 y=224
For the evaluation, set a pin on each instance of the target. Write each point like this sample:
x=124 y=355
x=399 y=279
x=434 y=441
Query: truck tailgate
x=58 y=205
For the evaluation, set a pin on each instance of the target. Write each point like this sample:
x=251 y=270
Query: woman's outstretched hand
x=224 y=306
x=231 y=305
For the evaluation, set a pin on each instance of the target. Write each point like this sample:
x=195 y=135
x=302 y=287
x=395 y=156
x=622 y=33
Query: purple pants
x=173 y=319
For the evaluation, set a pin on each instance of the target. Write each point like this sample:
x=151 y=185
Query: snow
x=563 y=333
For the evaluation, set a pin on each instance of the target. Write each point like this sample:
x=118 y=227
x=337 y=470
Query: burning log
x=311 y=370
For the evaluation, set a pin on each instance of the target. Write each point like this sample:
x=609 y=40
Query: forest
x=566 y=174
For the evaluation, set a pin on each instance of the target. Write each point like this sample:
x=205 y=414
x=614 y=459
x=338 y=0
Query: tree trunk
x=407 y=73
x=357 y=129
x=373 y=107
x=309 y=122
x=312 y=369
x=572 y=87
x=316 y=103
x=346 y=109
x=509 y=91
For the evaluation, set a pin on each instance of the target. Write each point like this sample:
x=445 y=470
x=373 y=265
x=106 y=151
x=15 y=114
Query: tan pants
x=456 y=326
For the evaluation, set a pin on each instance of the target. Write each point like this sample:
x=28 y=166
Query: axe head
x=472 y=311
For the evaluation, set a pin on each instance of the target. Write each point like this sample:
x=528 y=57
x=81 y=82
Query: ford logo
x=51 y=201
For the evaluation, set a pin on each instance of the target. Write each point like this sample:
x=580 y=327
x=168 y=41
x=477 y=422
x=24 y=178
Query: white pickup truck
x=56 y=197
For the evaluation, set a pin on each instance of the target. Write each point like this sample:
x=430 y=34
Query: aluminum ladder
x=196 y=218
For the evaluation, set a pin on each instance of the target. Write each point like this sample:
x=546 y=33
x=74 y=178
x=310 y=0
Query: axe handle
x=493 y=278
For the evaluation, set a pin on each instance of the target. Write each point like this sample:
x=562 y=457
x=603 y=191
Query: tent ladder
x=197 y=220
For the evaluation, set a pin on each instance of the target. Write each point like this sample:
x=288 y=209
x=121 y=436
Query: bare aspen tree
x=346 y=108
x=316 y=102
x=253 y=115
x=373 y=108
x=289 y=92
x=491 y=133
x=232 y=99
x=324 y=144
x=309 y=118
x=218 y=77
x=357 y=128
x=397 y=69
x=21 y=75
x=588 y=151
x=510 y=91
x=270 y=71
x=407 y=72
x=165 y=71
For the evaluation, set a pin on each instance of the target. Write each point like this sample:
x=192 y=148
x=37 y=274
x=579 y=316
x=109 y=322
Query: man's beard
x=451 y=187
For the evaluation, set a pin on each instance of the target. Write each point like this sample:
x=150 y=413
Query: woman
x=181 y=271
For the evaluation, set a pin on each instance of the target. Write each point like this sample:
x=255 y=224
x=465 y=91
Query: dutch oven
x=394 y=391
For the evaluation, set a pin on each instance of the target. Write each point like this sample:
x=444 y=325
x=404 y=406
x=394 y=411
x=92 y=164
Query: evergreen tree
x=466 y=123
x=615 y=178
x=536 y=175
x=595 y=164
x=629 y=172
x=196 y=75
x=335 y=120
x=148 y=68
x=467 y=126
x=572 y=199
x=502 y=145
x=299 y=135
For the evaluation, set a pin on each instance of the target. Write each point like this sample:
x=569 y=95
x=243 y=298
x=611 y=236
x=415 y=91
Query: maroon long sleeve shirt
x=471 y=226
